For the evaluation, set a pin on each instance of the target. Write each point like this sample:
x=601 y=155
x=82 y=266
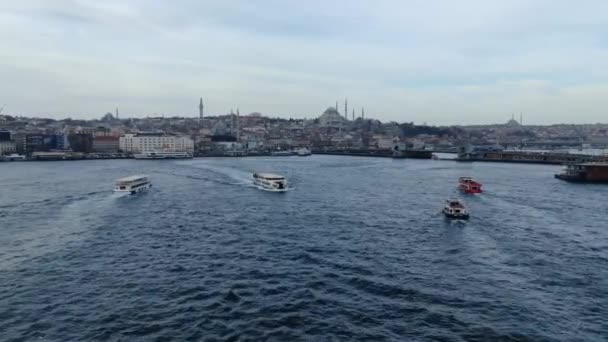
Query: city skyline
x=442 y=63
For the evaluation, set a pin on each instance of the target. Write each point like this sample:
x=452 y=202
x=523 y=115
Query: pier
x=557 y=158
x=383 y=153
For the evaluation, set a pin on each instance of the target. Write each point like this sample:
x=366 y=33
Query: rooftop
x=131 y=178
x=268 y=175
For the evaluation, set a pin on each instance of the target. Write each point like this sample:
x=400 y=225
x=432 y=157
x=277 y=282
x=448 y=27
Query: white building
x=138 y=143
x=384 y=141
x=7 y=147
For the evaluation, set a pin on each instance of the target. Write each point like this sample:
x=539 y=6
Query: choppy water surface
x=357 y=250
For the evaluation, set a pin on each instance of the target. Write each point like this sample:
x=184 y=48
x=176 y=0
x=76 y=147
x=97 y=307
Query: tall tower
x=117 y=113
x=521 y=119
x=201 y=109
x=346 y=109
x=238 y=125
x=336 y=105
x=362 y=113
x=232 y=122
x=353 y=114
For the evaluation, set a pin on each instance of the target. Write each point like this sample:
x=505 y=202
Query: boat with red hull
x=469 y=186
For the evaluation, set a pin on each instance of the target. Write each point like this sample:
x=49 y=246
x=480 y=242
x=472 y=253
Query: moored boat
x=163 y=155
x=455 y=209
x=132 y=184
x=270 y=182
x=281 y=153
x=12 y=157
x=469 y=186
x=593 y=172
x=303 y=152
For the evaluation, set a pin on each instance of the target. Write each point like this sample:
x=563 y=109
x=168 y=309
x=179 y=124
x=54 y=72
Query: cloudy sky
x=440 y=62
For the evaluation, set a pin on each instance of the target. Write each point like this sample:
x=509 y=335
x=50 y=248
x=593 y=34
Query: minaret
x=363 y=113
x=353 y=114
x=238 y=125
x=200 y=112
x=116 y=113
x=346 y=109
x=521 y=119
x=336 y=105
x=231 y=122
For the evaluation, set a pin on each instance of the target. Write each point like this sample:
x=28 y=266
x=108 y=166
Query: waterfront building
x=20 y=145
x=7 y=147
x=38 y=142
x=148 y=142
x=5 y=135
x=81 y=142
x=35 y=143
x=106 y=144
x=384 y=141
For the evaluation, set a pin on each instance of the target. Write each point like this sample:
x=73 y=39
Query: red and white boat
x=469 y=186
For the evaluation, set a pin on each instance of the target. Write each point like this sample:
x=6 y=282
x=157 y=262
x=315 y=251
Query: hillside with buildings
x=254 y=133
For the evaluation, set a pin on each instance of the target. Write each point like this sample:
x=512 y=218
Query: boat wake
x=71 y=224
x=116 y=195
x=456 y=222
x=237 y=177
x=259 y=187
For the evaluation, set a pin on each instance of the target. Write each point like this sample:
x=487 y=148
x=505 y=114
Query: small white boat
x=163 y=155
x=13 y=157
x=455 y=209
x=303 y=152
x=281 y=153
x=132 y=184
x=270 y=182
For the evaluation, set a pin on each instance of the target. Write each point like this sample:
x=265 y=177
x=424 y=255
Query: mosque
x=331 y=118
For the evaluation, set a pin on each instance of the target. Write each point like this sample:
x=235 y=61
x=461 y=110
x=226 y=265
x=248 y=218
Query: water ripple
x=357 y=254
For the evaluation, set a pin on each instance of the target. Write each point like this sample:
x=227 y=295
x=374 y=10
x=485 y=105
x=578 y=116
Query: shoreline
x=505 y=157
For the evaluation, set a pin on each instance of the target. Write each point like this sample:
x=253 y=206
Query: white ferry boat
x=163 y=155
x=455 y=209
x=132 y=184
x=270 y=182
x=303 y=152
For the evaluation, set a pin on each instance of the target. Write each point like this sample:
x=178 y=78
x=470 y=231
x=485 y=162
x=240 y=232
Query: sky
x=428 y=61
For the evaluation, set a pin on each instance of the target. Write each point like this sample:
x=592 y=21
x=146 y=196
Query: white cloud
x=436 y=61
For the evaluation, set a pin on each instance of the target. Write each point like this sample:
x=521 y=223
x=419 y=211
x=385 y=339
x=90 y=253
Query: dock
x=382 y=153
x=553 y=158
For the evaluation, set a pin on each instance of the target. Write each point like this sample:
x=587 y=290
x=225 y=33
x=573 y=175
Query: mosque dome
x=331 y=117
x=220 y=128
x=512 y=123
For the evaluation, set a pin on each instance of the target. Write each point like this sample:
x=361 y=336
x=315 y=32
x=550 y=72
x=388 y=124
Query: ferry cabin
x=455 y=209
x=269 y=181
x=132 y=184
x=469 y=186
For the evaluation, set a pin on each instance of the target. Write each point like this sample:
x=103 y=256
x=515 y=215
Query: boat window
x=122 y=188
